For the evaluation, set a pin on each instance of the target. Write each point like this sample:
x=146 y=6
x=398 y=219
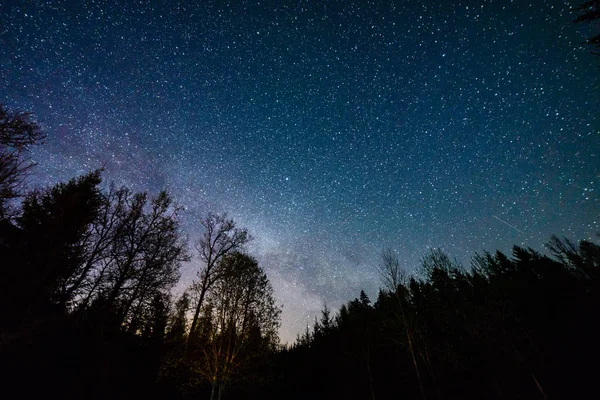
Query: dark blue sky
x=330 y=129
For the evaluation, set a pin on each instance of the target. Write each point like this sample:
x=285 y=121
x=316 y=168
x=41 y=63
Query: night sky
x=329 y=129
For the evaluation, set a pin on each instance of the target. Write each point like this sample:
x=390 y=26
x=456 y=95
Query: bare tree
x=133 y=252
x=17 y=134
x=146 y=255
x=97 y=243
x=393 y=277
x=220 y=237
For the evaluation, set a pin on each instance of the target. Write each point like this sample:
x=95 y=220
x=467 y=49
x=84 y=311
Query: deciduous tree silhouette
x=221 y=236
x=17 y=134
x=392 y=277
x=142 y=249
x=73 y=245
x=244 y=321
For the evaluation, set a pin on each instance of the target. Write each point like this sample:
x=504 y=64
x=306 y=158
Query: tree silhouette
x=74 y=245
x=243 y=321
x=221 y=236
x=17 y=134
x=47 y=245
x=142 y=250
x=392 y=278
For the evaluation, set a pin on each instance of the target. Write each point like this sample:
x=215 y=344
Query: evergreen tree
x=48 y=246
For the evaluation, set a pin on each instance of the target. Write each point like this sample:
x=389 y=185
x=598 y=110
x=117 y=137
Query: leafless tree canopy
x=392 y=275
x=221 y=236
x=17 y=134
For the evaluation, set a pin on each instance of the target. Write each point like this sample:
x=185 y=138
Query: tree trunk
x=411 y=346
x=537 y=383
x=89 y=264
x=368 y=362
x=221 y=390
x=136 y=314
x=193 y=327
x=414 y=359
x=97 y=282
x=213 y=392
x=114 y=293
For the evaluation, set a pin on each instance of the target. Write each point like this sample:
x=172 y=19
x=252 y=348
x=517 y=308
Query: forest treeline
x=88 y=308
x=518 y=326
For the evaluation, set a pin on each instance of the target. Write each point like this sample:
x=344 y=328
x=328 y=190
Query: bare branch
x=392 y=275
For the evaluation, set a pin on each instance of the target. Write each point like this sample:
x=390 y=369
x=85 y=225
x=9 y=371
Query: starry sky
x=330 y=129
